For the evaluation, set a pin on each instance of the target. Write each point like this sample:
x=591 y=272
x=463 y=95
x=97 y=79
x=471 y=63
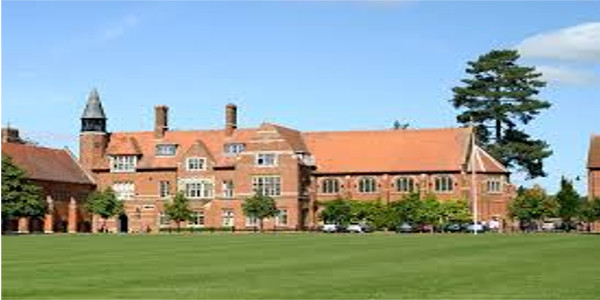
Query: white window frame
x=330 y=186
x=405 y=184
x=278 y=218
x=201 y=167
x=228 y=189
x=162 y=192
x=252 y=221
x=261 y=161
x=227 y=218
x=443 y=184
x=158 y=153
x=124 y=190
x=267 y=185
x=164 y=220
x=367 y=185
x=234 y=148
x=198 y=188
x=197 y=217
x=494 y=185
x=123 y=163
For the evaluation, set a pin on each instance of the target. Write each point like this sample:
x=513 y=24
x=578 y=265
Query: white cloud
x=568 y=76
x=577 y=43
x=119 y=28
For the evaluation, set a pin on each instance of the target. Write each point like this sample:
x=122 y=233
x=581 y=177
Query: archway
x=123 y=223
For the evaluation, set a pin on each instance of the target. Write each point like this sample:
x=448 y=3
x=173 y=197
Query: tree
x=589 y=211
x=430 y=211
x=178 y=210
x=397 y=125
x=20 y=198
x=373 y=213
x=260 y=207
x=337 y=211
x=105 y=204
x=499 y=96
x=407 y=210
x=455 y=211
x=531 y=206
x=568 y=203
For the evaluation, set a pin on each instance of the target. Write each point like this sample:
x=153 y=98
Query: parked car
x=548 y=226
x=330 y=228
x=406 y=228
x=358 y=228
x=453 y=227
x=471 y=227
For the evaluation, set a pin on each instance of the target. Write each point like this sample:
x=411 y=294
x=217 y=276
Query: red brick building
x=217 y=169
x=64 y=185
x=594 y=167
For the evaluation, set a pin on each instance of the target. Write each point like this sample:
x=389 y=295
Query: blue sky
x=308 y=65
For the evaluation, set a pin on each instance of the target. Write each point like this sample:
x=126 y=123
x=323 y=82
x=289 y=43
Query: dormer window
x=234 y=148
x=195 y=164
x=266 y=159
x=123 y=163
x=166 y=150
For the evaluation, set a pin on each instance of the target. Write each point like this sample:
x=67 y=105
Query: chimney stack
x=160 y=121
x=11 y=135
x=230 y=119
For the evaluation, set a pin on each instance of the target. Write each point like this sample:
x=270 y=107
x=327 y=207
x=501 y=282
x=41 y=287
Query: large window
x=166 y=150
x=282 y=217
x=405 y=184
x=228 y=189
x=444 y=183
x=267 y=185
x=195 y=164
x=164 y=220
x=494 y=185
x=124 y=190
x=266 y=159
x=164 y=188
x=199 y=189
x=227 y=218
x=123 y=163
x=330 y=186
x=197 y=219
x=234 y=148
x=251 y=221
x=367 y=185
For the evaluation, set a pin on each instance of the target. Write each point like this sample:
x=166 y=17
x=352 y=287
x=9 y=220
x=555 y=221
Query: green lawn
x=301 y=266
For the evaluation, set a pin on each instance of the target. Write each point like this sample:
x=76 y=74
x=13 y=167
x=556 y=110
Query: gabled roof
x=93 y=108
x=49 y=164
x=410 y=150
x=594 y=153
x=293 y=138
x=485 y=163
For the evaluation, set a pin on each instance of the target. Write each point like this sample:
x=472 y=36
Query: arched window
x=330 y=186
x=367 y=185
x=444 y=183
x=405 y=184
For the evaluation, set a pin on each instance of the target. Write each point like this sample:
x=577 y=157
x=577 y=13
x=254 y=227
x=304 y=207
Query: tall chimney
x=160 y=121
x=230 y=119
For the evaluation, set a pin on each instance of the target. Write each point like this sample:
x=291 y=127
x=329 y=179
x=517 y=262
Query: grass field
x=301 y=266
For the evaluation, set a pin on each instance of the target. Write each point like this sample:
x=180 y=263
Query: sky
x=308 y=65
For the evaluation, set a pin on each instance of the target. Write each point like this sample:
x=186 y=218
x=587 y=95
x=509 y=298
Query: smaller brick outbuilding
x=64 y=185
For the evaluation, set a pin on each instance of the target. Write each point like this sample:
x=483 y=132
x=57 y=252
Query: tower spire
x=93 y=117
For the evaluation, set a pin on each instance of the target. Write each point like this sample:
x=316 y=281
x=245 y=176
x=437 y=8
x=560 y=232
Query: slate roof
x=93 y=108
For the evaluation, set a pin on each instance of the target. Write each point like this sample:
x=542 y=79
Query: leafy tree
x=568 y=203
x=455 y=211
x=531 y=206
x=499 y=96
x=430 y=212
x=260 y=207
x=179 y=210
x=20 y=198
x=407 y=210
x=105 y=204
x=337 y=211
x=397 y=125
x=374 y=213
x=589 y=211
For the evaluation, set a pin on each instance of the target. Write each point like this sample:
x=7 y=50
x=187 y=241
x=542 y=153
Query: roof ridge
x=388 y=130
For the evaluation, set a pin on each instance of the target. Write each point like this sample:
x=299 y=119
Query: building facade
x=64 y=186
x=218 y=169
x=593 y=166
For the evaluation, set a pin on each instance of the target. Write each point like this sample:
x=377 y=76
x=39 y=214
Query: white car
x=355 y=228
x=330 y=228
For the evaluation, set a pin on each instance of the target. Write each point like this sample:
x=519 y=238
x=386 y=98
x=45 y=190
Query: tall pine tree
x=498 y=97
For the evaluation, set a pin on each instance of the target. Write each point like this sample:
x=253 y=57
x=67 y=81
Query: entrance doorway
x=123 y=223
